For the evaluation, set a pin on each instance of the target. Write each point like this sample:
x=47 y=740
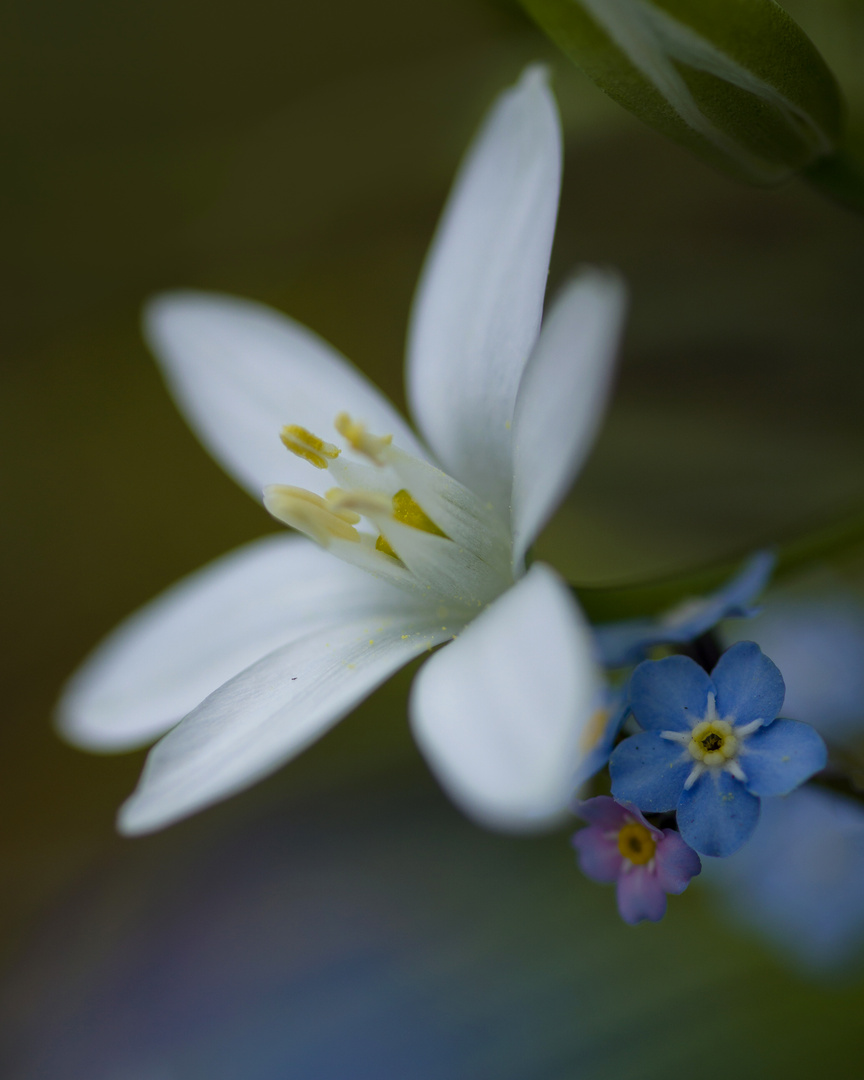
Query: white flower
x=280 y=639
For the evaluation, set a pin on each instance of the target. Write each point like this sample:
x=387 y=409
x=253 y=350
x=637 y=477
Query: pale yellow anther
x=308 y=446
x=359 y=439
x=359 y=501
x=334 y=498
x=310 y=514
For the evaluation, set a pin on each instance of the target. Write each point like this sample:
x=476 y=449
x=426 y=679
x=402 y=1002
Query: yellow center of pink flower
x=636 y=843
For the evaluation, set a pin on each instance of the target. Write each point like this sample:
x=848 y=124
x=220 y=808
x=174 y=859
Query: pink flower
x=646 y=863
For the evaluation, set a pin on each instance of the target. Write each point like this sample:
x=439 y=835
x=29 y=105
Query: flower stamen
x=358 y=501
x=308 y=446
x=361 y=440
x=310 y=514
x=712 y=742
x=735 y=770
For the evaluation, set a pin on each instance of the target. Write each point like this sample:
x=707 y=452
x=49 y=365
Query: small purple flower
x=646 y=863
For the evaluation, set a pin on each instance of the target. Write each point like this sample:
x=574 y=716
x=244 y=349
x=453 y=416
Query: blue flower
x=711 y=747
x=628 y=641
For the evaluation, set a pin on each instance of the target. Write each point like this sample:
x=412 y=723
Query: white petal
x=562 y=398
x=268 y=713
x=240 y=371
x=446 y=570
x=478 y=306
x=500 y=713
x=455 y=509
x=167 y=657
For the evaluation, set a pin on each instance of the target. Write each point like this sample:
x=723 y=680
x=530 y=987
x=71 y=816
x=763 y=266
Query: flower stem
x=705 y=650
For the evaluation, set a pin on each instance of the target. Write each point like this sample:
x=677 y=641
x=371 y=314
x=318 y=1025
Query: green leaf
x=648 y=598
x=736 y=81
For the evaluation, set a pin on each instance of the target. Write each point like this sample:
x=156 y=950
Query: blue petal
x=778 y=758
x=717 y=815
x=670 y=694
x=649 y=771
x=734 y=599
x=626 y=642
x=738 y=594
x=749 y=685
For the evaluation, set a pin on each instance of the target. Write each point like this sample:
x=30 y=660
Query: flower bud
x=736 y=81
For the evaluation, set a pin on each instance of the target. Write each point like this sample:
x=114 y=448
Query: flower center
x=432 y=534
x=332 y=517
x=636 y=843
x=712 y=742
x=406 y=510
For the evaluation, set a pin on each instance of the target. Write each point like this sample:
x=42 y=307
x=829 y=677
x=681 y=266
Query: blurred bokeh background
x=341 y=920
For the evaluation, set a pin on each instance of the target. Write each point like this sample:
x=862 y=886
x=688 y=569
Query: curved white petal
x=268 y=713
x=167 y=657
x=562 y=398
x=479 y=302
x=500 y=713
x=240 y=371
x=456 y=511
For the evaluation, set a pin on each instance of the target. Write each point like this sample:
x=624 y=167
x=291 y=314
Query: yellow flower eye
x=636 y=843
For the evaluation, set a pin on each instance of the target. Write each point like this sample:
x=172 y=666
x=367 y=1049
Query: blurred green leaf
x=841 y=178
x=735 y=81
x=624 y=601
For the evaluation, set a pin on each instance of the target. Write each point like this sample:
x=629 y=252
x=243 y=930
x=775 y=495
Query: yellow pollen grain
x=308 y=446
x=636 y=843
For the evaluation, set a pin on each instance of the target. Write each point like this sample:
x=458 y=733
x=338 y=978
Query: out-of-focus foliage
x=736 y=81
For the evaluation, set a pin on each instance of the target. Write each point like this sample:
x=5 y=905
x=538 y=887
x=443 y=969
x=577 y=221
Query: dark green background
x=342 y=920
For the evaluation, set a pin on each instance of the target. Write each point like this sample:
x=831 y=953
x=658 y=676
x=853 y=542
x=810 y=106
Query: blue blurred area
x=377 y=934
x=816 y=636
x=800 y=881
